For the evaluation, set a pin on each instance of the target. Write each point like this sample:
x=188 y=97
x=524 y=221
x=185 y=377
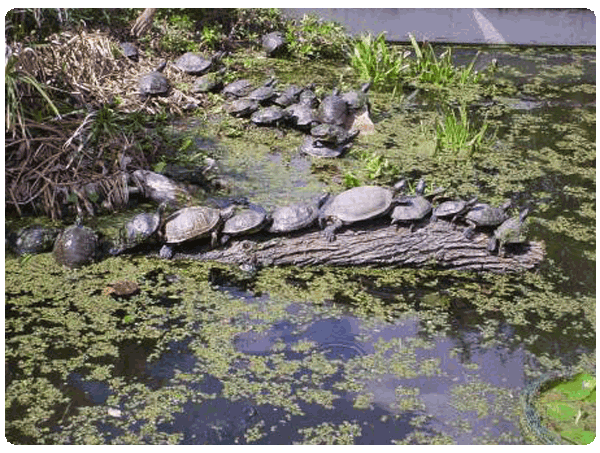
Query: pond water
x=206 y=354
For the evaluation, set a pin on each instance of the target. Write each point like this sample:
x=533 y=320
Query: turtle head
x=366 y=86
x=523 y=215
x=400 y=186
x=420 y=189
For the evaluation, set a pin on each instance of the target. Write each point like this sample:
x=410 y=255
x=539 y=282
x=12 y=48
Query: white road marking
x=491 y=35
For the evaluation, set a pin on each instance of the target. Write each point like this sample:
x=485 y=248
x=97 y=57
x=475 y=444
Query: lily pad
x=578 y=388
x=579 y=436
x=561 y=411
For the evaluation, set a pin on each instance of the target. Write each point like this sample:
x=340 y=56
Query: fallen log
x=436 y=244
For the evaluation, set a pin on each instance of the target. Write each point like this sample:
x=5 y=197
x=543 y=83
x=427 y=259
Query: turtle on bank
x=453 y=208
x=274 y=43
x=512 y=231
x=32 y=240
x=76 y=245
x=355 y=205
x=195 y=64
x=192 y=223
x=333 y=109
x=249 y=220
x=138 y=230
x=412 y=209
x=296 y=216
x=154 y=83
x=268 y=116
x=484 y=215
x=237 y=89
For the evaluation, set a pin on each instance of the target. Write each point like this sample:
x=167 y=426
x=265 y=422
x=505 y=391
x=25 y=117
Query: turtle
x=274 y=43
x=332 y=134
x=155 y=82
x=511 y=231
x=130 y=50
x=314 y=147
x=302 y=116
x=289 y=96
x=355 y=205
x=237 y=89
x=333 y=109
x=268 y=116
x=358 y=99
x=76 y=245
x=192 y=223
x=195 y=64
x=453 y=208
x=296 y=216
x=412 y=209
x=138 y=230
x=242 y=107
x=249 y=220
x=484 y=215
x=32 y=240
x=211 y=82
x=308 y=96
x=264 y=94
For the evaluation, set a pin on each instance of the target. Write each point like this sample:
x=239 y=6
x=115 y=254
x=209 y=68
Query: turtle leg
x=329 y=232
x=166 y=252
x=468 y=233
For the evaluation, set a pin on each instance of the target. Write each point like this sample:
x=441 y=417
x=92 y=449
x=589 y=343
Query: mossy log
x=436 y=244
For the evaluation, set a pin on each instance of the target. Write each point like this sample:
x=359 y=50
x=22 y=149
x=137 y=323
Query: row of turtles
x=325 y=120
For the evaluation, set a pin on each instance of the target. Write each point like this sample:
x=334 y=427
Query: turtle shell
x=154 y=83
x=268 y=116
x=237 y=89
x=191 y=223
x=356 y=100
x=333 y=109
x=359 y=203
x=453 y=207
x=411 y=209
x=273 y=43
x=296 y=216
x=264 y=93
x=314 y=147
x=33 y=240
x=301 y=116
x=130 y=50
x=512 y=231
x=483 y=214
x=211 y=82
x=75 y=246
x=193 y=63
x=242 y=107
x=332 y=134
x=139 y=229
x=289 y=96
x=247 y=221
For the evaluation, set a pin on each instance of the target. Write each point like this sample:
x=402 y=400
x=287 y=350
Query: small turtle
x=249 y=220
x=355 y=205
x=32 y=240
x=314 y=147
x=512 y=231
x=268 y=116
x=211 y=82
x=289 y=96
x=331 y=134
x=308 y=96
x=296 y=216
x=412 y=209
x=138 y=230
x=155 y=82
x=453 y=208
x=196 y=64
x=302 y=116
x=484 y=215
x=242 y=107
x=333 y=109
x=237 y=89
x=76 y=245
x=192 y=223
x=274 y=43
x=356 y=100
x=265 y=93
x=130 y=51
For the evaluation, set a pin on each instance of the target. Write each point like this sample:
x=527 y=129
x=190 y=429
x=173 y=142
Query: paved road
x=558 y=27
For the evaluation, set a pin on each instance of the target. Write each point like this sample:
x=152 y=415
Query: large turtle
x=138 y=230
x=512 y=231
x=355 y=205
x=155 y=82
x=296 y=216
x=333 y=109
x=196 y=64
x=412 y=209
x=453 y=208
x=192 y=223
x=274 y=43
x=249 y=220
x=76 y=245
x=484 y=215
x=32 y=240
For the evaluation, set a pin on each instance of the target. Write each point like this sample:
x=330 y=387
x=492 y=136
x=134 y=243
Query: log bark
x=436 y=245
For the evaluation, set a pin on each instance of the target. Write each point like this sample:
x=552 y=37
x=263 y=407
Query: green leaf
x=579 y=436
x=578 y=388
x=560 y=411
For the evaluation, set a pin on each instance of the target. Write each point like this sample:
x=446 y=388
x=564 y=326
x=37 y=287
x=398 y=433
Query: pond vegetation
x=206 y=353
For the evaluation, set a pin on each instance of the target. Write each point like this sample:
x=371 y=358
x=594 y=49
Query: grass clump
x=457 y=135
x=314 y=38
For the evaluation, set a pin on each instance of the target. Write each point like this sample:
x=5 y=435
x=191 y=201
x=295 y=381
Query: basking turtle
x=265 y=93
x=453 y=208
x=412 y=209
x=155 y=82
x=296 y=216
x=274 y=43
x=333 y=109
x=268 y=116
x=308 y=96
x=331 y=134
x=288 y=97
x=192 y=223
x=512 y=231
x=301 y=116
x=249 y=220
x=32 y=240
x=484 y=215
x=314 y=147
x=242 y=107
x=76 y=245
x=138 y=230
x=130 y=51
x=355 y=205
x=211 y=82
x=237 y=89
x=195 y=64
x=358 y=99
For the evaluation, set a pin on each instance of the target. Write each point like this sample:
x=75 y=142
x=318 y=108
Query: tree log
x=437 y=245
